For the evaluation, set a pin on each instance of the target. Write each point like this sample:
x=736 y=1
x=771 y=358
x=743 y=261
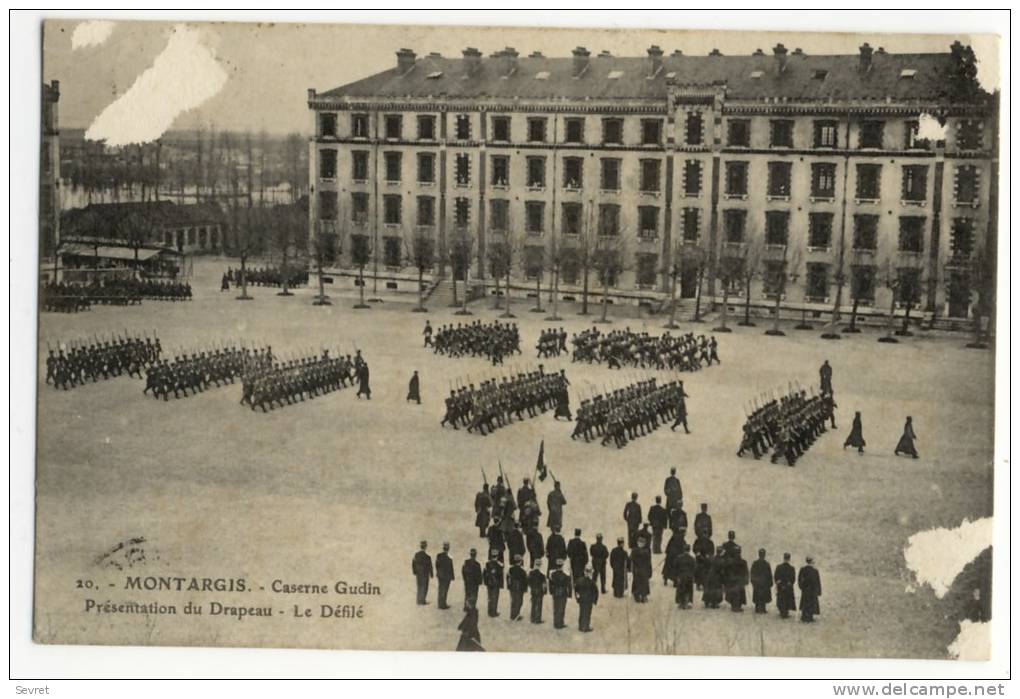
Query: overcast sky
x=269 y=67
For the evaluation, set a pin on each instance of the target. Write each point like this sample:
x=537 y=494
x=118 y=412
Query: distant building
x=49 y=172
x=811 y=168
x=186 y=228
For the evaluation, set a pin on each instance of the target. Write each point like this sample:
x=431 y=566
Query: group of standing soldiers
x=552 y=342
x=265 y=276
x=495 y=403
x=494 y=340
x=100 y=359
x=199 y=370
x=631 y=412
x=624 y=347
x=295 y=380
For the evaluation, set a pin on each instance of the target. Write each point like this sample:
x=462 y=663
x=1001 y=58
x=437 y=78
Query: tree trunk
x=455 y=302
x=421 y=292
x=285 y=275
x=723 y=328
x=605 y=300
x=747 y=303
x=507 y=313
x=888 y=337
x=672 y=299
x=361 y=287
x=244 y=279
x=584 y=294
x=464 y=298
x=697 y=296
x=555 y=298
x=321 y=301
x=538 y=289
x=496 y=305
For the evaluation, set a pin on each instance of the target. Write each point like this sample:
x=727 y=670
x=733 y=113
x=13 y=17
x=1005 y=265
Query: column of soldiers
x=552 y=342
x=788 y=426
x=494 y=403
x=100 y=359
x=62 y=296
x=624 y=347
x=200 y=370
x=631 y=412
x=285 y=383
x=265 y=276
x=494 y=341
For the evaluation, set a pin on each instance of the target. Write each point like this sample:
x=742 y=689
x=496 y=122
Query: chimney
x=758 y=52
x=581 y=55
x=880 y=51
x=508 y=61
x=780 y=53
x=55 y=84
x=472 y=59
x=715 y=52
x=654 y=60
x=866 y=52
x=311 y=94
x=677 y=53
x=405 y=60
x=535 y=54
x=799 y=52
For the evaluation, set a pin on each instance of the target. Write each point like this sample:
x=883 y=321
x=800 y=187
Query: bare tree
x=498 y=257
x=750 y=265
x=245 y=236
x=361 y=255
x=534 y=264
x=461 y=250
x=608 y=263
x=281 y=225
x=587 y=240
x=777 y=276
x=422 y=256
x=728 y=272
x=982 y=282
x=556 y=259
x=321 y=247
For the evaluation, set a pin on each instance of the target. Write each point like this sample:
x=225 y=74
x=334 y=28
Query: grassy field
x=341 y=489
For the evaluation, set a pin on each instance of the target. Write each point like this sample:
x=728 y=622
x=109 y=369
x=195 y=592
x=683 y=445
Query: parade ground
x=342 y=489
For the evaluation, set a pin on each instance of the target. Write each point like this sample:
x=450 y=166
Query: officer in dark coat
x=825 y=375
x=633 y=517
x=599 y=556
x=715 y=581
x=421 y=567
x=906 y=443
x=810 y=584
x=555 y=548
x=444 y=574
x=761 y=583
x=586 y=592
x=561 y=589
x=471 y=574
x=535 y=544
x=517 y=584
x=496 y=541
x=577 y=552
x=619 y=561
x=413 y=389
x=856 y=436
x=538 y=588
x=703 y=523
x=641 y=567
x=736 y=581
x=730 y=547
x=555 y=502
x=674 y=548
x=363 y=387
x=786 y=578
x=483 y=503
x=684 y=569
x=470 y=637
x=659 y=519
x=671 y=488
x=494 y=581
x=703 y=550
x=525 y=494
x=515 y=542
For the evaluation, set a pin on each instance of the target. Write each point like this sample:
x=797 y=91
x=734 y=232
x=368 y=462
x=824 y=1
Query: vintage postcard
x=505 y=339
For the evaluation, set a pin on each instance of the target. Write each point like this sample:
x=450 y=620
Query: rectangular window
x=692 y=178
x=501 y=170
x=426 y=168
x=462 y=169
x=774 y=277
x=426 y=211
x=535 y=214
x=610 y=174
x=327 y=164
x=651 y=132
x=461 y=211
x=908 y=286
x=871 y=134
x=966 y=184
x=738 y=133
x=779 y=179
x=650 y=175
x=612 y=131
x=359 y=165
x=691 y=224
x=536 y=129
x=571 y=218
x=501 y=129
x=694 y=129
x=394 y=124
x=735 y=221
x=392 y=166
x=911 y=234
x=327 y=125
x=536 y=172
x=327 y=206
x=823 y=180
x=862 y=283
x=961 y=241
x=570 y=265
x=426 y=127
x=534 y=261
x=499 y=214
x=391 y=251
x=573 y=173
x=359 y=207
x=574 y=131
x=391 y=209
x=777 y=227
x=781 y=133
x=648 y=220
x=968 y=135
x=915 y=182
x=817 y=284
x=825 y=134
x=647 y=269
x=463 y=127
x=736 y=179
x=865 y=232
x=869 y=177
x=609 y=219
x=359 y=125
x=820 y=230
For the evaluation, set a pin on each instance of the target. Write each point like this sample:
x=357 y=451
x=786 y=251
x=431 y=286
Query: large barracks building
x=827 y=178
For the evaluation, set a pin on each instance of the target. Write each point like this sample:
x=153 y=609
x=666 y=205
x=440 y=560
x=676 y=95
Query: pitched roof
x=434 y=76
x=105 y=217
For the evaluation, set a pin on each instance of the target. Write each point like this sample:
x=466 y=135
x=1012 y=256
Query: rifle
x=484 y=479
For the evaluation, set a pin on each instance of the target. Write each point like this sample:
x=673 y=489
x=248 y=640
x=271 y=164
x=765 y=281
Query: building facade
x=49 y=171
x=826 y=180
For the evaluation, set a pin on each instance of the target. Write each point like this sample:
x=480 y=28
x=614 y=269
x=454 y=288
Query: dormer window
x=615 y=74
x=820 y=74
x=542 y=75
x=908 y=73
x=757 y=74
x=435 y=75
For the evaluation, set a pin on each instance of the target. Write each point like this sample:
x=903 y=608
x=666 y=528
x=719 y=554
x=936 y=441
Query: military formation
x=633 y=411
x=494 y=341
x=620 y=348
x=278 y=384
x=495 y=403
x=92 y=360
x=552 y=342
x=202 y=369
x=67 y=297
x=528 y=565
x=265 y=276
x=787 y=426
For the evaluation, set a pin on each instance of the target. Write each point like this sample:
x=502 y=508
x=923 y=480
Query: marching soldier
x=517 y=584
x=537 y=587
x=444 y=574
x=785 y=578
x=561 y=590
x=421 y=567
x=494 y=581
x=471 y=574
x=619 y=561
x=587 y=595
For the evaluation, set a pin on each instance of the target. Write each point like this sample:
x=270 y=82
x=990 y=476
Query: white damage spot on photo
x=973 y=641
x=929 y=128
x=92 y=33
x=938 y=555
x=181 y=78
